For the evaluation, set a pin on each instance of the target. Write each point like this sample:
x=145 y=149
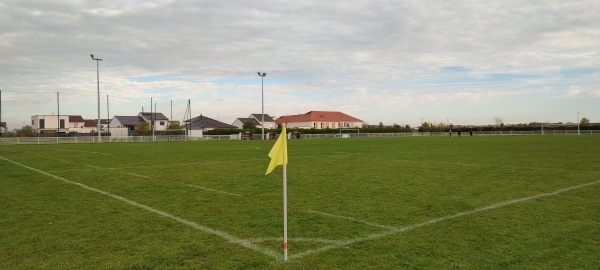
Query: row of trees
x=500 y=126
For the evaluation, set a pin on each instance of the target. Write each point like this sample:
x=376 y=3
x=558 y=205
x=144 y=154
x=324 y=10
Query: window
x=42 y=123
x=62 y=123
x=162 y=123
x=32 y=123
x=75 y=124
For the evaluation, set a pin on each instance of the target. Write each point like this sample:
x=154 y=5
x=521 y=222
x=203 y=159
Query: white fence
x=178 y=138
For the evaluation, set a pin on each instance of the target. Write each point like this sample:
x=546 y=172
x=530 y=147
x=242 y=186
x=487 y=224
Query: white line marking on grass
x=299 y=239
x=65 y=161
x=91 y=166
x=224 y=235
x=354 y=220
x=139 y=175
x=224 y=161
x=214 y=190
x=83 y=151
x=436 y=220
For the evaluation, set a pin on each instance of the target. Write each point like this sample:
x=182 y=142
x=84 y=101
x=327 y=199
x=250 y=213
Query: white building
x=50 y=123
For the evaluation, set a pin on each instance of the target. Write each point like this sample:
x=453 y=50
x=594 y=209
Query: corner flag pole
x=278 y=155
x=285 y=240
x=285 y=230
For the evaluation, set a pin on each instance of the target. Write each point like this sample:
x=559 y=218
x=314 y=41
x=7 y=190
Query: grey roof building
x=239 y=123
x=126 y=121
x=205 y=123
x=154 y=116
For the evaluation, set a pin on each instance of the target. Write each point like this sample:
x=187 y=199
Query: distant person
x=471 y=133
x=450 y=132
x=459 y=133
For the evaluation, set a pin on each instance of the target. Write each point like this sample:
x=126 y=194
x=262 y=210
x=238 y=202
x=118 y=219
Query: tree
x=174 y=125
x=380 y=124
x=585 y=121
x=498 y=122
x=249 y=125
x=25 y=131
x=142 y=127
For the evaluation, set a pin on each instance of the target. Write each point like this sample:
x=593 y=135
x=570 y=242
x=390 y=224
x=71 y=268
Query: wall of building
x=50 y=123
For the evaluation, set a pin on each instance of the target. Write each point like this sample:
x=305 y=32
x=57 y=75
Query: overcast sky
x=462 y=62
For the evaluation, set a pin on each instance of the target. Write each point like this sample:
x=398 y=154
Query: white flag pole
x=285 y=240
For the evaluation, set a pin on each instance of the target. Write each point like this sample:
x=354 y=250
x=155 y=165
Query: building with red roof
x=320 y=120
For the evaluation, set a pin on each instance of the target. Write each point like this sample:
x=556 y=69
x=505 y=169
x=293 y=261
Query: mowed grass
x=395 y=203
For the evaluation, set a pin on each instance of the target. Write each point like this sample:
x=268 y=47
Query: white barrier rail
x=179 y=138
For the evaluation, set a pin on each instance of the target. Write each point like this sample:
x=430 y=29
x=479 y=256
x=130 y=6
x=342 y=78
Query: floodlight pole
x=262 y=97
x=58 y=112
x=578 y=122
x=107 y=114
x=98 y=79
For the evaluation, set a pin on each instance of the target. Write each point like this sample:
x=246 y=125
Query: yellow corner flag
x=278 y=153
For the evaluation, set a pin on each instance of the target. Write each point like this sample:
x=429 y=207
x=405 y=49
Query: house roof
x=258 y=116
x=75 y=118
x=154 y=115
x=90 y=123
x=203 y=122
x=324 y=116
x=253 y=120
x=130 y=120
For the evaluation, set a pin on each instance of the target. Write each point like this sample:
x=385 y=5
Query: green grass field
x=512 y=202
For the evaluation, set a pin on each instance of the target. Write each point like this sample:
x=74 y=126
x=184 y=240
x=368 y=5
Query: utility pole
x=262 y=97
x=107 y=114
x=578 y=122
x=98 y=77
x=58 y=112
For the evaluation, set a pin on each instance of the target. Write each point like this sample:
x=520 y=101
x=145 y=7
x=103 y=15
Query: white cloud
x=574 y=90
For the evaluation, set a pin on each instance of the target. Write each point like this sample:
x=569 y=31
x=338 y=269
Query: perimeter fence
x=180 y=138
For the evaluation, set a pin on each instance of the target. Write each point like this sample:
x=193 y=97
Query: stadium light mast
x=98 y=79
x=262 y=97
x=578 y=122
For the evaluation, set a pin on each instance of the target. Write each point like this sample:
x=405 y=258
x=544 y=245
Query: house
x=91 y=125
x=320 y=120
x=198 y=125
x=130 y=122
x=204 y=123
x=76 y=123
x=68 y=123
x=159 y=120
x=269 y=122
x=256 y=118
x=239 y=123
x=50 y=123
